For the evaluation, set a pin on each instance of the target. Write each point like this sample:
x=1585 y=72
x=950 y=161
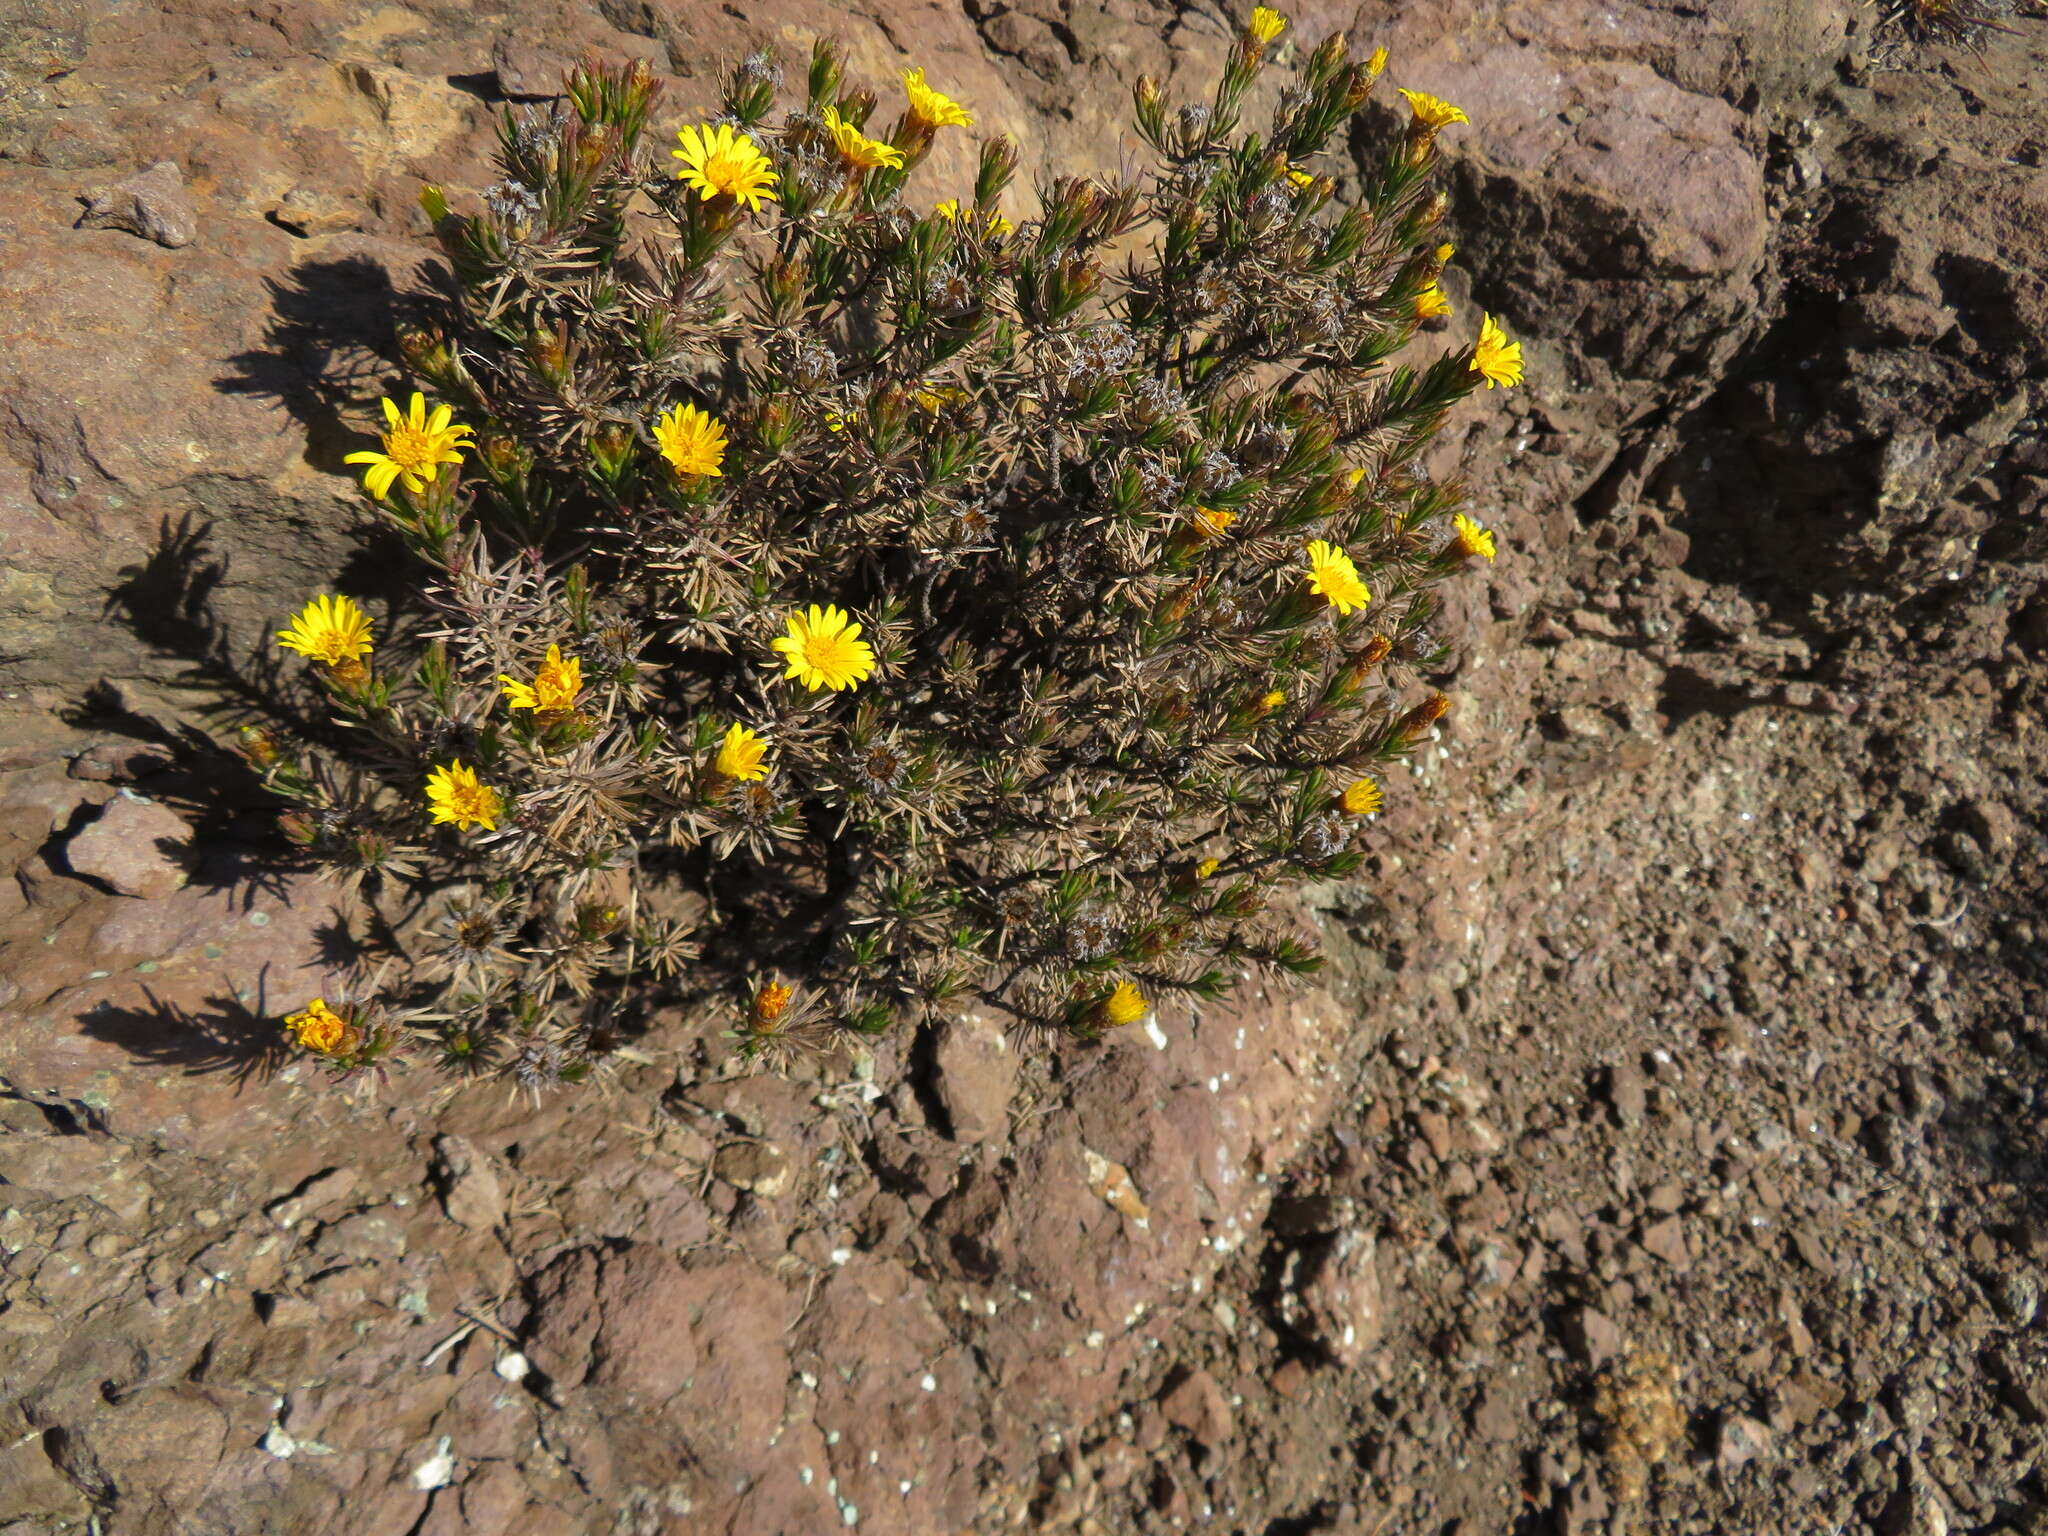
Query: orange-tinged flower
x=1496 y=359
x=1333 y=577
x=1211 y=522
x=722 y=161
x=1362 y=797
x=740 y=754
x=416 y=445
x=771 y=1002
x=824 y=649
x=329 y=629
x=931 y=109
x=455 y=794
x=1432 y=112
x=317 y=1028
x=554 y=686
x=692 y=441
x=1470 y=539
x=856 y=148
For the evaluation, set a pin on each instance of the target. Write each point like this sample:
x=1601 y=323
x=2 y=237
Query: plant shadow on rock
x=222 y=1034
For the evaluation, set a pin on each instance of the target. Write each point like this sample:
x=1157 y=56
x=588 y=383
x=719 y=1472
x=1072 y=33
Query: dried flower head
x=328 y=629
x=1494 y=358
x=416 y=445
x=720 y=161
x=455 y=795
x=823 y=649
x=693 y=441
x=1332 y=577
x=554 y=689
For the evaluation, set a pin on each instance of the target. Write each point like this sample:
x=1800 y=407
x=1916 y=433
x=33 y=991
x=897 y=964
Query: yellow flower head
x=824 y=649
x=1376 y=63
x=692 y=441
x=1362 y=797
x=1265 y=25
x=1333 y=577
x=1274 y=699
x=416 y=445
x=1496 y=359
x=1445 y=252
x=929 y=109
x=1432 y=112
x=317 y=1028
x=739 y=755
x=856 y=148
x=1207 y=868
x=770 y=1004
x=1211 y=522
x=1471 y=539
x=722 y=161
x=1353 y=475
x=951 y=211
x=455 y=794
x=1300 y=177
x=329 y=629
x=554 y=687
x=1126 y=1005
x=1432 y=302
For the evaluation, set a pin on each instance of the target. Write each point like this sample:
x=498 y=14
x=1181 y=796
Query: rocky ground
x=1665 y=1154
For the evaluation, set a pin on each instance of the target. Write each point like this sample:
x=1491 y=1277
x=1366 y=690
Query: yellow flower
x=856 y=148
x=1431 y=112
x=1445 y=252
x=1211 y=522
x=416 y=445
x=739 y=755
x=554 y=687
x=770 y=1004
x=1207 y=868
x=993 y=222
x=722 y=160
x=824 y=649
x=1431 y=302
x=939 y=396
x=1354 y=475
x=317 y=1028
x=1472 y=540
x=1376 y=65
x=928 y=108
x=454 y=794
x=329 y=629
x=1266 y=24
x=1362 y=797
x=1332 y=576
x=1496 y=359
x=1274 y=699
x=1300 y=177
x=1126 y=1005
x=692 y=441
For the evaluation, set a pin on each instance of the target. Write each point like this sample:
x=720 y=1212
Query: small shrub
x=852 y=608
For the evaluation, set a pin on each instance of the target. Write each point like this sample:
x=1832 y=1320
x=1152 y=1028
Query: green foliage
x=1063 y=474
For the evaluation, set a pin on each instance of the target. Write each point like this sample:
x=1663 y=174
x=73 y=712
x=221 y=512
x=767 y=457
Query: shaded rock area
x=1662 y=1154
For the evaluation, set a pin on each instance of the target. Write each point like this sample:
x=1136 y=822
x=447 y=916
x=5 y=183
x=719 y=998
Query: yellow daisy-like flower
x=856 y=148
x=455 y=794
x=770 y=1004
x=1126 y=1005
x=692 y=441
x=722 y=161
x=554 y=686
x=824 y=649
x=1376 y=64
x=1333 y=577
x=317 y=1028
x=1431 y=302
x=994 y=223
x=1471 y=540
x=329 y=629
x=1433 y=112
x=1266 y=24
x=929 y=108
x=1273 y=700
x=1445 y=252
x=739 y=755
x=416 y=445
x=1211 y=522
x=1362 y=797
x=1496 y=359
x=1207 y=868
